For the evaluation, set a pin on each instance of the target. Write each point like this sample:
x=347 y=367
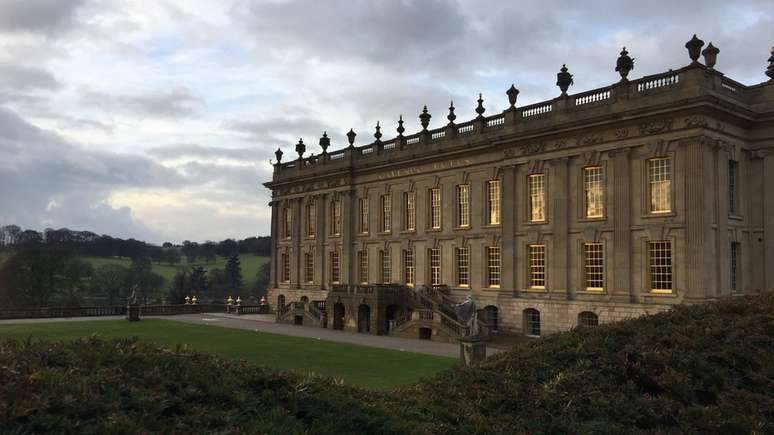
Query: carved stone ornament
x=656 y=126
x=621 y=133
x=510 y=152
x=533 y=148
x=694 y=48
x=564 y=79
x=351 y=137
x=710 y=55
x=424 y=118
x=590 y=139
x=513 y=94
x=696 y=121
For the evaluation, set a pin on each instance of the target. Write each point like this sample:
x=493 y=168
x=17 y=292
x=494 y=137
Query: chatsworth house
x=584 y=209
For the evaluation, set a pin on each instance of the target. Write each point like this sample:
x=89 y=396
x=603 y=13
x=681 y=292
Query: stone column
x=768 y=220
x=696 y=220
x=347 y=261
x=720 y=196
x=557 y=190
x=297 y=260
x=321 y=233
x=275 y=235
x=620 y=212
x=508 y=221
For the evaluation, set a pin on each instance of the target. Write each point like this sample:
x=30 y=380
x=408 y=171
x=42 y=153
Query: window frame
x=460 y=253
x=311 y=217
x=532 y=198
x=435 y=271
x=586 y=267
x=435 y=209
x=493 y=270
x=531 y=267
x=463 y=206
x=409 y=271
x=651 y=186
x=335 y=217
x=362 y=267
x=309 y=268
x=363 y=216
x=410 y=211
x=494 y=202
x=733 y=188
x=335 y=266
x=386 y=213
x=385 y=266
x=602 y=182
x=651 y=272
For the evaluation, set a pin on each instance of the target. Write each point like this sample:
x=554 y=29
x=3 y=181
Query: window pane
x=537 y=266
x=386 y=213
x=537 y=197
x=463 y=267
x=386 y=267
x=363 y=266
x=435 y=266
x=435 y=208
x=463 y=205
x=309 y=267
x=408 y=267
x=363 y=215
x=732 y=185
x=734 y=266
x=336 y=217
x=660 y=253
x=660 y=180
x=593 y=185
x=335 y=267
x=493 y=266
x=411 y=211
x=493 y=201
x=311 y=217
x=594 y=258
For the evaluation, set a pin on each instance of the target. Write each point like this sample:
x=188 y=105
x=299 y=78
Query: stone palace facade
x=587 y=208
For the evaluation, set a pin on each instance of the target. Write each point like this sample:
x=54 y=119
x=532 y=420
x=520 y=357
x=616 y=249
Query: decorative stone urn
x=624 y=64
x=564 y=79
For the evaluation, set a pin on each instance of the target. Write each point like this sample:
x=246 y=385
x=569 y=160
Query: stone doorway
x=364 y=318
x=392 y=313
x=338 y=316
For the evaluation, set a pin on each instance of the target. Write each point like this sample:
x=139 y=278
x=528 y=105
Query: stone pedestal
x=133 y=313
x=472 y=350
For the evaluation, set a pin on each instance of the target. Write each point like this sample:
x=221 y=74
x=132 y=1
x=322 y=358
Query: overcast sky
x=157 y=119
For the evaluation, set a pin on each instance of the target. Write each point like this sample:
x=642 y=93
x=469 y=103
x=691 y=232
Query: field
x=250 y=265
x=356 y=365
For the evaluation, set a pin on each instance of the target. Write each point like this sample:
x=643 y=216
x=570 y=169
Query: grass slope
x=250 y=265
x=356 y=365
x=699 y=369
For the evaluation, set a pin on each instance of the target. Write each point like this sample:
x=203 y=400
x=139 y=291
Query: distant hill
x=695 y=369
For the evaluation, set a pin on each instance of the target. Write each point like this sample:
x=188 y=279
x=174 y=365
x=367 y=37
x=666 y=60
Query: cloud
x=39 y=168
x=46 y=16
x=176 y=102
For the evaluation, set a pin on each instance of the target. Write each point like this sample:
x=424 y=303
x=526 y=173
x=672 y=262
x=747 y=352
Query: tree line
x=87 y=243
x=47 y=269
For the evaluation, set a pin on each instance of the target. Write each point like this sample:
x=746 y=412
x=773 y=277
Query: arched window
x=587 y=318
x=532 y=322
x=490 y=317
x=304 y=299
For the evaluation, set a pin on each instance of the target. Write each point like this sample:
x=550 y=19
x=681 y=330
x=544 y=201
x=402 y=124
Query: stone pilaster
x=508 y=221
x=296 y=262
x=722 y=285
x=275 y=235
x=321 y=234
x=347 y=261
x=620 y=212
x=768 y=220
x=558 y=213
x=696 y=219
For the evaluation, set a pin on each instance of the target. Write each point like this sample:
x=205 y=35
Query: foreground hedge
x=700 y=369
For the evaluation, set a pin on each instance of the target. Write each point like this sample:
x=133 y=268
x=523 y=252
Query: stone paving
x=265 y=323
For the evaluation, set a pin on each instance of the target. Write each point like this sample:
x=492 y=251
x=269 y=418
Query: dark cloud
x=18 y=77
x=48 y=181
x=178 y=102
x=45 y=16
x=193 y=150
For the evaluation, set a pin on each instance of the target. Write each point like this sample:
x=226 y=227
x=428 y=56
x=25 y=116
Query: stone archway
x=280 y=302
x=338 y=316
x=364 y=318
x=391 y=315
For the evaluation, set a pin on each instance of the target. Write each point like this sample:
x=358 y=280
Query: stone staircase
x=431 y=308
x=301 y=313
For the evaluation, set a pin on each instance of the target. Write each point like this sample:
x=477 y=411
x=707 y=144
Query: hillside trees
x=233 y=274
x=113 y=280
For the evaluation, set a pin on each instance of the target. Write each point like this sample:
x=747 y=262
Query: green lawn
x=356 y=365
x=250 y=265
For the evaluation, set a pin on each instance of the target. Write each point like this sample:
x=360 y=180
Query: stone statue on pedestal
x=467 y=314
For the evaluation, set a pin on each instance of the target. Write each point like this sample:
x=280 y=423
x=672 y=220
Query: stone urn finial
x=451 y=116
x=400 y=128
x=351 y=138
x=300 y=148
x=770 y=69
x=710 y=55
x=480 y=108
x=564 y=79
x=624 y=65
x=513 y=94
x=424 y=119
x=278 y=155
x=694 y=48
x=378 y=133
x=325 y=142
